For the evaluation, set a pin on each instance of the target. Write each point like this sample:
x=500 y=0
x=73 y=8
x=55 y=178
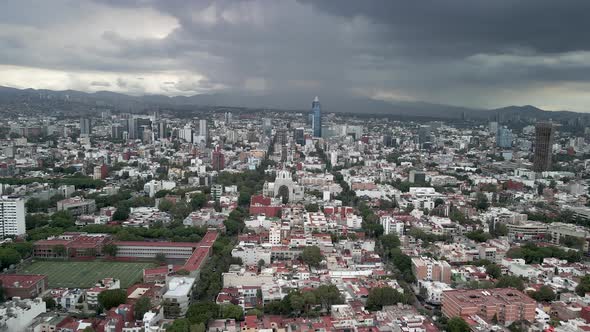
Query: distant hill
x=286 y=102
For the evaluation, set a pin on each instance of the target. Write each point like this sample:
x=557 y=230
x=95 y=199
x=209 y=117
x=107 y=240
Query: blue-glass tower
x=316 y=111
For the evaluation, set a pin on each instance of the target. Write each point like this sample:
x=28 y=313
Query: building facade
x=543 y=144
x=316 y=117
x=12 y=216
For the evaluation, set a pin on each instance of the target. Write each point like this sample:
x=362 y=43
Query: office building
x=267 y=127
x=12 y=216
x=417 y=177
x=203 y=129
x=131 y=128
x=387 y=140
x=317 y=117
x=507 y=305
x=162 y=130
x=142 y=124
x=544 y=132
x=299 y=136
x=424 y=135
x=504 y=138
x=85 y=126
x=117 y=131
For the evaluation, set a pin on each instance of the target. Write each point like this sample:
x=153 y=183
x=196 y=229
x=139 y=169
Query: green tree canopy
x=112 y=298
x=312 y=256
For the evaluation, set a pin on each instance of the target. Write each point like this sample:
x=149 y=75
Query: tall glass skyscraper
x=316 y=124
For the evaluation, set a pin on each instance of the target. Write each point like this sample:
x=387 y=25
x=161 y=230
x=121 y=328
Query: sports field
x=86 y=274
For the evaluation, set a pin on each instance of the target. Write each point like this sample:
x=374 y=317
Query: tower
x=85 y=126
x=543 y=145
x=317 y=117
x=203 y=129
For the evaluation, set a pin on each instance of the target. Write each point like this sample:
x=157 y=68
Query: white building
x=391 y=225
x=179 y=292
x=12 y=216
x=251 y=254
x=152 y=187
x=17 y=314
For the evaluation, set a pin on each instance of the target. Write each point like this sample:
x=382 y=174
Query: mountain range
x=285 y=102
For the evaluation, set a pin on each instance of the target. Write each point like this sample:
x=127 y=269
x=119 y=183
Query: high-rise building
x=162 y=130
x=12 y=216
x=116 y=131
x=299 y=136
x=387 y=140
x=267 y=127
x=142 y=124
x=317 y=117
x=217 y=160
x=543 y=144
x=203 y=129
x=228 y=118
x=424 y=134
x=132 y=127
x=281 y=136
x=85 y=126
x=504 y=138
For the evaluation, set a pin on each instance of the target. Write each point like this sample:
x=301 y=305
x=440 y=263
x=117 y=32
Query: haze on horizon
x=482 y=54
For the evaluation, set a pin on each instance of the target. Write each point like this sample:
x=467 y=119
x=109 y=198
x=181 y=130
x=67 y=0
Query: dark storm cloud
x=385 y=49
x=462 y=27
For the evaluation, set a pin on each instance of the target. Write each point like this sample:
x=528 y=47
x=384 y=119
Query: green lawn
x=86 y=274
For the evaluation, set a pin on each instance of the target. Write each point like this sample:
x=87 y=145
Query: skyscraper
x=203 y=129
x=85 y=126
x=12 y=216
x=267 y=127
x=162 y=130
x=299 y=136
x=316 y=125
x=504 y=138
x=543 y=145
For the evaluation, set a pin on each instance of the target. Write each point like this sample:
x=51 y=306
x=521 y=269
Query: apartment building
x=429 y=269
x=12 y=216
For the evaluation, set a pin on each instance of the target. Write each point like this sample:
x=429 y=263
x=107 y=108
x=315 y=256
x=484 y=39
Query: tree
x=198 y=201
x=255 y=312
x=584 y=286
x=110 y=249
x=165 y=205
x=482 y=202
x=457 y=324
x=112 y=298
x=312 y=208
x=63 y=219
x=8 y=257
x=142 y=306
x=122 y=213
x=383 y=296
x=438 y=201
x=544 y=294
x=312 y=256
x=179 y=325
x=328 y=295
x=510 y=281
x=232 y=311
x=297 y=302
x=261 y=264
x=50 y=303
x=202 y=312
x=494 y=271
x=389 y=242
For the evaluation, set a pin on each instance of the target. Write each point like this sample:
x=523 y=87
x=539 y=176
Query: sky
x=484 y=54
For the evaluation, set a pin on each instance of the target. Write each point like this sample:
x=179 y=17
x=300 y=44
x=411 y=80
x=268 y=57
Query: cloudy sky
x=487 y=53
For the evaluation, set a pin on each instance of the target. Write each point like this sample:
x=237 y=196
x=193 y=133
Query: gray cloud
x=461 y=52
